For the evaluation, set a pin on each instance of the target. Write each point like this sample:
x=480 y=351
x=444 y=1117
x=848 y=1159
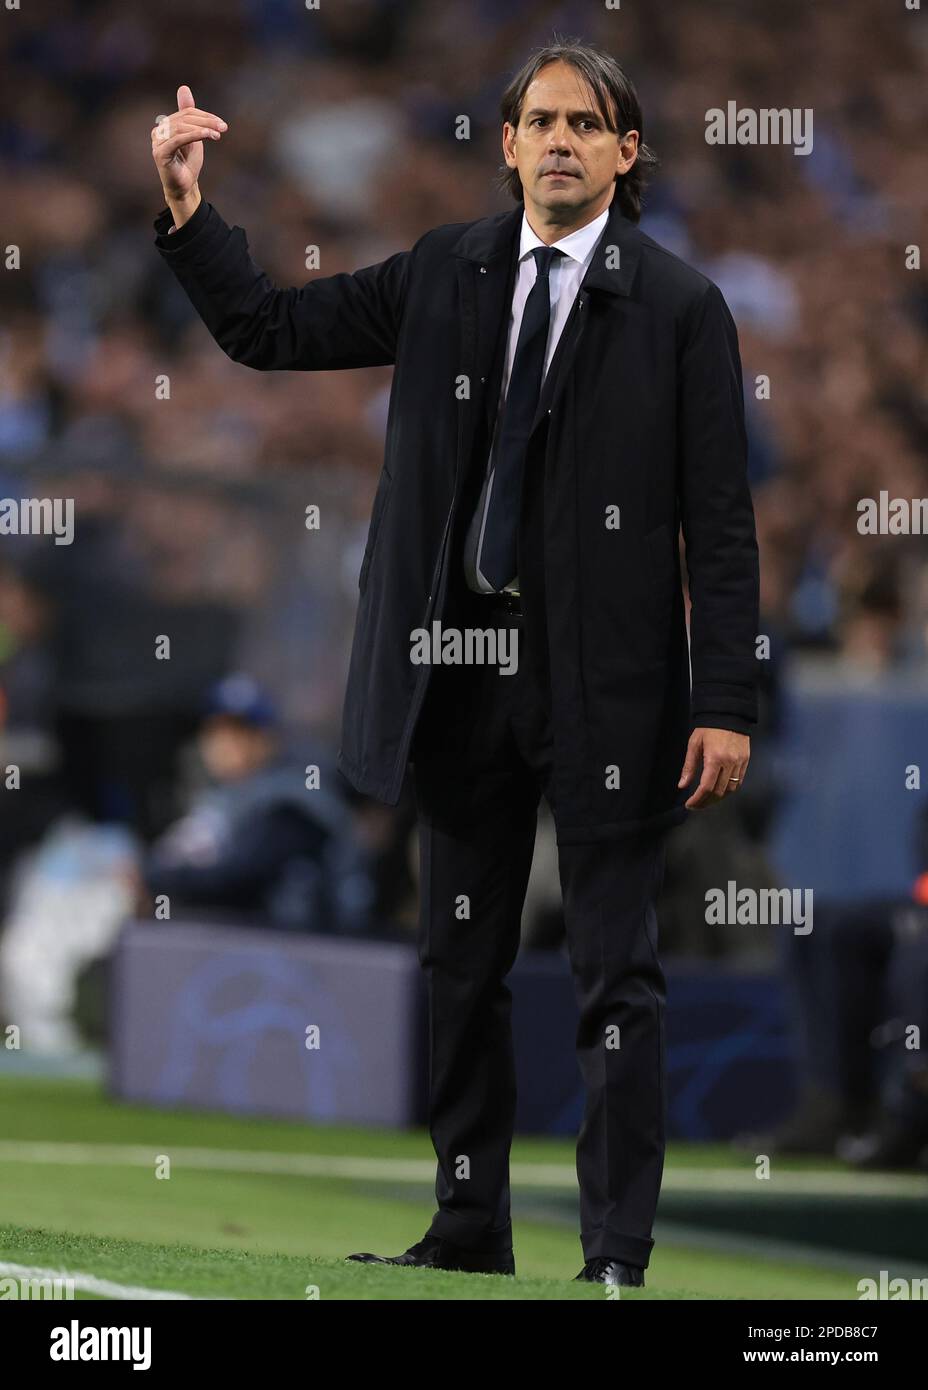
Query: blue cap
x=241 y=697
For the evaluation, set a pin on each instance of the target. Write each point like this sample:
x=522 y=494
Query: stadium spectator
x=266 y=844
x=859 y=987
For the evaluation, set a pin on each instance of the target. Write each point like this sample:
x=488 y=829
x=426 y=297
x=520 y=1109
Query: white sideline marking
x=88 y=1283
x=558 y=1175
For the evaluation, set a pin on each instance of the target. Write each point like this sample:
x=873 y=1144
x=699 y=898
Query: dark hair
x=614 y=92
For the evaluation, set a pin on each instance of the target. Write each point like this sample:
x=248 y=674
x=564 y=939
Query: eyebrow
x=572 y=115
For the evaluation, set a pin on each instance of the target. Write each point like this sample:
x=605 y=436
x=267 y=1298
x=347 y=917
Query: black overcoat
x=640 y=430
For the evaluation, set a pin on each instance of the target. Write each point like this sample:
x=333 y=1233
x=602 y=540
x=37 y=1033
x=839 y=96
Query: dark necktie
x=498 y=554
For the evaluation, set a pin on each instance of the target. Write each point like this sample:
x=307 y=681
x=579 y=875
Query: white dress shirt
x=567 y=271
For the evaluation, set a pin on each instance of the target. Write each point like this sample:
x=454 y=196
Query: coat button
x=483 y=270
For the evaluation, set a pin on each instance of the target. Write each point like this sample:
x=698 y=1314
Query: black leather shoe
x=603 y=1270
x=433 y=1253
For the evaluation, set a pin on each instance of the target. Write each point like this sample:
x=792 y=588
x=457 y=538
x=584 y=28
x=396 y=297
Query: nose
x=559 y=142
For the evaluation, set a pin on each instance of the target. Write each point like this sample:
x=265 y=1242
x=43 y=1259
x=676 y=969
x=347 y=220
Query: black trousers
x=482 y=760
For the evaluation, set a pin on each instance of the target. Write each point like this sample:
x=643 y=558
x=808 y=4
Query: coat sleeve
x=334 y=321
x=717 y=516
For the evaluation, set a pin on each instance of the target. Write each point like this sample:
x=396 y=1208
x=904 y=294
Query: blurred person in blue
x=858 y=987
x=260 y=845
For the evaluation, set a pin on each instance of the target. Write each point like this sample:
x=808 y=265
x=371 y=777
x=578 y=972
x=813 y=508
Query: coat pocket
x=380 y=502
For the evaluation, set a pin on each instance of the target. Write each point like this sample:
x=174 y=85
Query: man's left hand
x=724 y=756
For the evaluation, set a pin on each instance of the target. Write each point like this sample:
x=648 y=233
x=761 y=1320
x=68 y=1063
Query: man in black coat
x=566 y=395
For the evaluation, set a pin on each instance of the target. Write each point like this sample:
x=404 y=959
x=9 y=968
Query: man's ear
x=623 y=156
x=509 y=132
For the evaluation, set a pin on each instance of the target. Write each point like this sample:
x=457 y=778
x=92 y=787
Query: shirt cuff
x=170 y=239
x=734 y=723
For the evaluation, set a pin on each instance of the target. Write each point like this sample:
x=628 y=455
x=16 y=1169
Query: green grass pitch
x=79 y=1193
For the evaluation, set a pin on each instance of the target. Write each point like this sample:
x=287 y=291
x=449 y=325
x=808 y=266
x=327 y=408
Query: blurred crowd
x=191 y=475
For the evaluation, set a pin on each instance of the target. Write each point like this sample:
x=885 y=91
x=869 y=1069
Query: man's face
x=231 y=749
x=566 y=156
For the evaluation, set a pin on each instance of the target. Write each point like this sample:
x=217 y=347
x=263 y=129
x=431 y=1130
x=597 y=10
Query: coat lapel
x=486 y=274
x=487 y=254
x=610 y=272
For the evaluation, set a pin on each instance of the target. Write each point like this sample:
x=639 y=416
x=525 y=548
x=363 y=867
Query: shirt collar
x=578 y=245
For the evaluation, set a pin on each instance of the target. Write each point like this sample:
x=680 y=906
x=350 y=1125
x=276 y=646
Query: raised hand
x=177 y=143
